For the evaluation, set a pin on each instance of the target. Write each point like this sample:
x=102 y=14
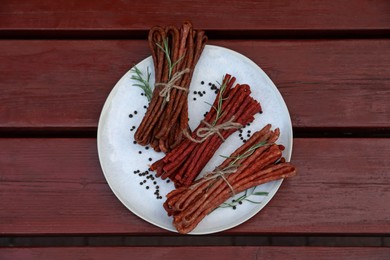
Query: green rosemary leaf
x=211 y=105
x=224 y=156
x=161 y=47
x=260 y=193
x=254 y=202
x=226 y=205
x=143 y=84
x=178 y=60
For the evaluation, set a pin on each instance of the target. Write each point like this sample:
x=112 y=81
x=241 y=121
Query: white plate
x=120 y=157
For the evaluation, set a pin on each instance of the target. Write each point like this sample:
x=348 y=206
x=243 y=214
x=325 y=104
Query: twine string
x=219 y=174
x=167 y=87
x=209 y=130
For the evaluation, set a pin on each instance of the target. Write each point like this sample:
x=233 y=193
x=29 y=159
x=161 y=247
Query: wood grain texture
x=212 y=253
x=64 y=84
x=56 y=186
x=210 y=15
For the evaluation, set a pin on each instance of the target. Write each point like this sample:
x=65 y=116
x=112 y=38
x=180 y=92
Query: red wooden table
x=329 y=59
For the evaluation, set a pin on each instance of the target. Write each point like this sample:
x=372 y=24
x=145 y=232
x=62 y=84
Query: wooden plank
x=203 y=252
x=64 y=84
x=244 y=15
x=56 y=186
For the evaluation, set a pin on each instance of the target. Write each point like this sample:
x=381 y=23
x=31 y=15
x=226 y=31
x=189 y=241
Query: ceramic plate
x=125 y=164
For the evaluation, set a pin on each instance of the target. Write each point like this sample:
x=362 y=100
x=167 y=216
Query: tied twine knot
x=205 y=132
x=219 y=174
x=167 y=87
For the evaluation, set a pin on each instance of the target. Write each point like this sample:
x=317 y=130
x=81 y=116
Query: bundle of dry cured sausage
x=175 y=54
x=233 y=108
x=256 y=162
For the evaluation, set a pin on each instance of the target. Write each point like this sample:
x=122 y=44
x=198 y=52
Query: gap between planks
x=137 y=34
x=242 y=240
x=91 y=132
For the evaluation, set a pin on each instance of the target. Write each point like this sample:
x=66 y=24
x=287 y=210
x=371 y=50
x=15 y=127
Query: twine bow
x=219 y=174
x=205 y=132
x=167 y=87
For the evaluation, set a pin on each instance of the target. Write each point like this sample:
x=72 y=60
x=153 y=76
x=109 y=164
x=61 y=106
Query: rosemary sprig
x=233 y=204
x=235 y=163
x=245 y=154
x=218 y=109
x=143 y=83
x=167 y=53
x=220 y=101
